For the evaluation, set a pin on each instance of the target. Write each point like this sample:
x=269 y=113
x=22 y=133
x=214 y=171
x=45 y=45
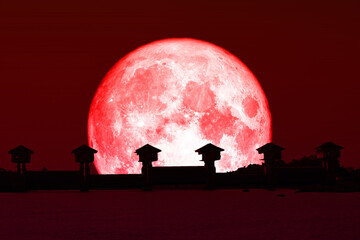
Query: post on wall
x=272 y=157
x=147 y=154
x=21 y=156
x=210 y=153
x=330 y=157
x=84 y=155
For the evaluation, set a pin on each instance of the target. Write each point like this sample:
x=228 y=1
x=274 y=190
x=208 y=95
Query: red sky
x=54 y=55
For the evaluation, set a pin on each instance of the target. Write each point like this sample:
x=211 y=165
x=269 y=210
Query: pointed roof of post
x=20 y=149
x=147 y=148
x=209 y=148
x=84 y=149
x=328 y=146
x=269 y=147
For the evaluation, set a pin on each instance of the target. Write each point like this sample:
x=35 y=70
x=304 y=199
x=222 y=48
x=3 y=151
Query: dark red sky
x=53 y=56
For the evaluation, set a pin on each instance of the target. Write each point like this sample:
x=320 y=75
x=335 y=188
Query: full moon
x=178 y=95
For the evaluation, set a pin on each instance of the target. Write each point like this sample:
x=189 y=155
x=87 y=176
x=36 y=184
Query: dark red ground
x=179 y=214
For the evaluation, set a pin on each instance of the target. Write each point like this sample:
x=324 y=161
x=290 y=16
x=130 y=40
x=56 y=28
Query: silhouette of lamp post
x=21 y=155
x=210 y=153
x=272 y=155
x=84 y=155
x=147 y=154
x=331 y=154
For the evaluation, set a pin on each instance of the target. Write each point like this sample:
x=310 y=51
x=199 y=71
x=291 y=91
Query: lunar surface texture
x=178 y=95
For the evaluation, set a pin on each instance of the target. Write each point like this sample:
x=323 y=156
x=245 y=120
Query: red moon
x=178 y=95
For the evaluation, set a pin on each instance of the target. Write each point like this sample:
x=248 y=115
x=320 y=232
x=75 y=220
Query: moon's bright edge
x=178 y=95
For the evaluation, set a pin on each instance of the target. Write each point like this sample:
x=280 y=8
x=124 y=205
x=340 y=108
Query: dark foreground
x=179 y=214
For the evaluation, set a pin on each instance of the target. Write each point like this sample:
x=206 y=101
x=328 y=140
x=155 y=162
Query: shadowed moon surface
x=178 y=95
